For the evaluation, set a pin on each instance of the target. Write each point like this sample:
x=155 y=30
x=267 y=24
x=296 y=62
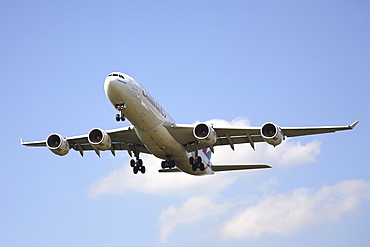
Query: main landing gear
x=137 y=163
x=196 y=163
x=120 y=108
x=168 y=163
x=137 y=166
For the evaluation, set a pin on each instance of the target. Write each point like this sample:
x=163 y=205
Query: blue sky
x=296 y=63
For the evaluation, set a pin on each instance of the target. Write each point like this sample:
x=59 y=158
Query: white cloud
x=194 y=210
x=288 y=154
x=283 y=214
x=279 y=214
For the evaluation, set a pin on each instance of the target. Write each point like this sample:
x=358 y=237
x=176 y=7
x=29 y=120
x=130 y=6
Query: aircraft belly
x=161 y=144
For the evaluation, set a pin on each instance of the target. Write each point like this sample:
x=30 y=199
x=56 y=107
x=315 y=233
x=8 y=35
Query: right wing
x=183 y=133
x=122 y=139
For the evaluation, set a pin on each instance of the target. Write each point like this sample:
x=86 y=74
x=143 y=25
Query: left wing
x=269 y=132
x=121 y=139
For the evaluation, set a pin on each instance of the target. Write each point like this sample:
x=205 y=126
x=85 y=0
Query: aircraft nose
x=110 y=84
x=111 y=87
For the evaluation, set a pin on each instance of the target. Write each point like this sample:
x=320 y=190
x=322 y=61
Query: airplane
x=182 y=147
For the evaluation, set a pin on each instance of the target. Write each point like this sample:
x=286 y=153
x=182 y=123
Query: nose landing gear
x=120 y=108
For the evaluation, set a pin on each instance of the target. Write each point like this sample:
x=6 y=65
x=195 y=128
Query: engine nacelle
x=272 y=134
x=57 y=144
x=205 y=134
x=99 y=139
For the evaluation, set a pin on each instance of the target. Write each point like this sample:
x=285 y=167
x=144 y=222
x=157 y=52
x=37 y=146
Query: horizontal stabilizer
x=219 y=168
x=170 y=170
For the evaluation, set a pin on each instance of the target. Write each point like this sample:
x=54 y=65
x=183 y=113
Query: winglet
x=22 y=141
x=353 y=125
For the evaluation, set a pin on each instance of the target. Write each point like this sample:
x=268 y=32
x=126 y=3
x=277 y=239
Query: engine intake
x=57 y=144
x=272 y=134
x=205 y=134
x=99 y=139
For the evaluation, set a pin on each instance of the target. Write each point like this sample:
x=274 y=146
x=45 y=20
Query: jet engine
x=57 y=144
x=99 y=139
x=205 y=134
x=272 y=134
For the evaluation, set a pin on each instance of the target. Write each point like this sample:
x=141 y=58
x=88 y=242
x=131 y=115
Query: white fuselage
x=148 y=117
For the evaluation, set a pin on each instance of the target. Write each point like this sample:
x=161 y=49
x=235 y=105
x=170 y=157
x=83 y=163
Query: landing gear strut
x=120 y=108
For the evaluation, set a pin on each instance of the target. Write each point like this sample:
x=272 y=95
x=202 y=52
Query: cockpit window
x=121 y=76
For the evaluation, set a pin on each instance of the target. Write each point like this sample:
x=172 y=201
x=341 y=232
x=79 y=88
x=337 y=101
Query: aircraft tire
x=139 y=162
x=194 y=167
x=143 y=169
x=132 y=163
x=136 y=169
x=201 y=166
x=191 y=160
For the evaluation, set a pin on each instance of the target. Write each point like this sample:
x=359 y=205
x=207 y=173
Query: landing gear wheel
x=191 y=160
x=136 y=169
x=132 y=163
x=194 y=167
x=201 y=166
x=120 y=108
x=142 y=169
x=199 y=159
